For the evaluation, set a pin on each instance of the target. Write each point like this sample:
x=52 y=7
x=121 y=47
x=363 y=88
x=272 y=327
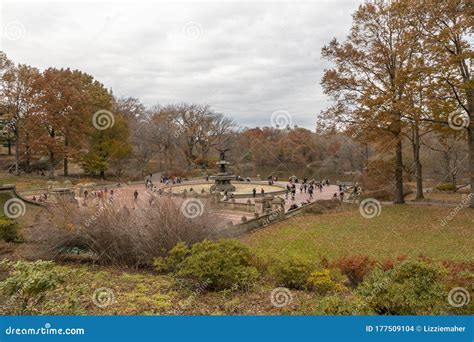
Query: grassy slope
x=397 y=230
x=23 y=182
x=448 y=197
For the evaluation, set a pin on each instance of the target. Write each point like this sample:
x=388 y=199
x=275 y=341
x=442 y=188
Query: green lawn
x=24 y=182
x=397 y=230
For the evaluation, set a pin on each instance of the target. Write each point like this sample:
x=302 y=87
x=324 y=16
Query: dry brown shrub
x=114 y=235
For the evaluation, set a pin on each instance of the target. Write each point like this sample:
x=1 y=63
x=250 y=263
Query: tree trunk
x=470 y=139
x=17 y=151
x=9 y=146
x=51 y=164
x=66 y=162
x=418 y=167
x=470 y=133
x=27 y=153
x=102 y=174
x=190 y=155
x=396 y=129
x=399 y=172
x=161 y=161
x=27 y=160
x=66 y=169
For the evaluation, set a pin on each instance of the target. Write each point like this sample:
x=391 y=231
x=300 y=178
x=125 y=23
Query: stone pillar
x=260 y=205
x=50 y=185
x=278 y=206
x=267 y=207
x=249 y=205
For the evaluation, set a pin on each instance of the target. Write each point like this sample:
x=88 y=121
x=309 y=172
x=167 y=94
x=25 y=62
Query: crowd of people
x=305 y=186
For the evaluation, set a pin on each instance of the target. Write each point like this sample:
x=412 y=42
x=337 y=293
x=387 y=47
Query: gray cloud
x=245 y=59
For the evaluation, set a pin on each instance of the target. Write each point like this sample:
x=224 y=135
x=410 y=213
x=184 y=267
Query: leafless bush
x=114 y=234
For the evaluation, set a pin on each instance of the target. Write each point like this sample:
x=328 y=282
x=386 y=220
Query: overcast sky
x=246 y=59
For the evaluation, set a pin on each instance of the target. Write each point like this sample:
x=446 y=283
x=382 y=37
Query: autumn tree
x=371 y=70
x=214 y=132
x=107 y=145
x=20 y=93
x=140 y=128
x=447 y=27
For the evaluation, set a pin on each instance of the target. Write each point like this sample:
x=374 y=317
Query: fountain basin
x=241 y=189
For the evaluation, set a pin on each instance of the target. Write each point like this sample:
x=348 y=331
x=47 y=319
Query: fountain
x=223 y=178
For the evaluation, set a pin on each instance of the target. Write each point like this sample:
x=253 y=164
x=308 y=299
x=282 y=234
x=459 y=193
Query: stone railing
x=233 y=205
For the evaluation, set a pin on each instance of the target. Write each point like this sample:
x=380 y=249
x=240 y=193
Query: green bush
x=342 y=305
x=27 y=284
x=221 y=265
x=176 y=255
x=445 y=187
x=9 y=230
x=322 y=282
x=292 y=272
x=410 y=288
